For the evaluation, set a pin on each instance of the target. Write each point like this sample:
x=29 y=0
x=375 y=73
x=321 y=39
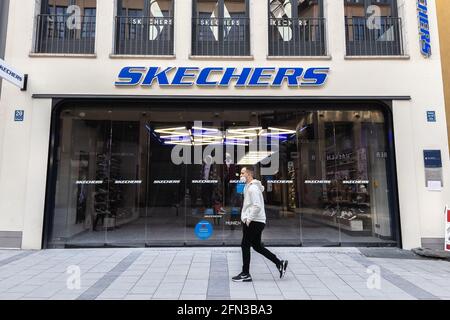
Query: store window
x=221 y=28
x=144 y=27
x=66 y=26
x=373 y=27
x=138 y=176
x=296 y=28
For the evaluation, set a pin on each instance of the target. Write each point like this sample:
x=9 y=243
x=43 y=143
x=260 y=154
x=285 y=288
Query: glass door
x=124 y=222
x=82 y=180
x=205 y=186
x=278 y=162
x=319 y=190
x=165 y=188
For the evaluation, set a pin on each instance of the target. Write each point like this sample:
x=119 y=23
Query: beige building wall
x=443 y=9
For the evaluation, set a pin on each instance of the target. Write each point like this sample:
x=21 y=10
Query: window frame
x=221 y=9
x=85 y=32
x=53 y=37
x=367 y=3
x=361 y=41
x=239 y=43
x=145 y=10
x=134 y=39
x=294 y=5
x=308 y=38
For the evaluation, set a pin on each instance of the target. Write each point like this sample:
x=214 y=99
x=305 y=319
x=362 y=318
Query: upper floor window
x=66 y=26
x=221 y=28
x=373 y=28
x=296 y=28
x=144 y=27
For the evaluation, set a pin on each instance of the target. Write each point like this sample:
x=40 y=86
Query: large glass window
x=373 y=27
x=144 y=27
x=221 y=27
x=89 y=19
x=296 y=28
x=135 y=176
x=66 y=26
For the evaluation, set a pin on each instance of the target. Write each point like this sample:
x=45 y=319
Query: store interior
x=138 y=175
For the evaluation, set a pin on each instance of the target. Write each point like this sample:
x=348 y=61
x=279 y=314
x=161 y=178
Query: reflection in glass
x=296 y=28
x=373 y=27
x=144 y=27
x=220 y=27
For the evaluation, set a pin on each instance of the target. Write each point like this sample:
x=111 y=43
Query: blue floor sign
x=203 y=230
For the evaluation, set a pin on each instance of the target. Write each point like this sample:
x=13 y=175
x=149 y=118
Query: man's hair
x=250 y=170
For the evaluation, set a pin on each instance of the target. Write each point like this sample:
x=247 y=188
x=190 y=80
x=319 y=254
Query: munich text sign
x=222 y=77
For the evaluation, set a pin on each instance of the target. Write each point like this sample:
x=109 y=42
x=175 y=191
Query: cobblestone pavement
x=205 y=273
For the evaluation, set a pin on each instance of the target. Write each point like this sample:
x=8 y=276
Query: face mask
x=243 y=180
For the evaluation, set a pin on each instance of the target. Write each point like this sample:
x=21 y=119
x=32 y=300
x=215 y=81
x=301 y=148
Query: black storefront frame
x=261 y=103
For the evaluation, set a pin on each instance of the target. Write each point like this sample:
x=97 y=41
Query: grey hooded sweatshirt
x=253 y=208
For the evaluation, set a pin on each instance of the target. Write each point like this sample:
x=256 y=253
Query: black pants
x=252 y=238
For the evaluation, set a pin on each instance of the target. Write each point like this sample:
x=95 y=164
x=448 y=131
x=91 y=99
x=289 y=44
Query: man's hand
x=247 y=222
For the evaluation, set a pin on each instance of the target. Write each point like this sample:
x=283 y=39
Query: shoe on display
x=242 y=277
x=282 y=268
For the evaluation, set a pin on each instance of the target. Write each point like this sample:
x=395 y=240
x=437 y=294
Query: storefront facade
x=138 y=121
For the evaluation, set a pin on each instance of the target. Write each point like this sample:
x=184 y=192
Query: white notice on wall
x=435 y=185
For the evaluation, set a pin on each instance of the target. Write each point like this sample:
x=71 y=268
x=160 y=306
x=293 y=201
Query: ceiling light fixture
x=172 y=136
x=180 y=143
x=235 y=144
x=205 y=129
x=246 y=132
x=254 y=157
x=276 y=132
x=207 y=136
x=171 y=130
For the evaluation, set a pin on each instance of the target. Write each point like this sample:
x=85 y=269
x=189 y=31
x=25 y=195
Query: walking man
x=253 y=218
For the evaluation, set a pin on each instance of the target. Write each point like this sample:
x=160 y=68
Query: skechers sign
x=222 y=77
x=424 y=28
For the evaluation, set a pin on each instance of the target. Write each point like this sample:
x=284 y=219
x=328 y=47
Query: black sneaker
x=282 y=268
x=242 y=277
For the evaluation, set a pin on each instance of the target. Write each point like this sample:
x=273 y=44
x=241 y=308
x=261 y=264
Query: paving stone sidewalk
x=205 y=273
